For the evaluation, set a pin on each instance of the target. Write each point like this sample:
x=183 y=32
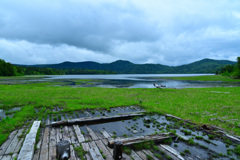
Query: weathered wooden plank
x=44 y=149
x=169 y=115
x=92 y=134
x=105 y=142
x=27 y=150
x=94 y=151
x=19 y=145
x=86 y=147
x=7 y=157
x=126 y=157
x=37 y=151
x=66 y=134
x=58 y=135
x=100 y=135
x=105 y=151
x=87 y=113
x=142 y=155
x=14 y=156
x=80 y=137
x=105 y=134
x=139 y=139
x=48 y=122
x=87 y=136
x=72 y=136
x=5 y=145
x=72 y=153
x=232 y=137
x=14 y=142
x=88 y=157
x=135 y=156
x=86 y=120
x=170 y=152
x=183 y=137
x=147 y=152
x=35 y=126
x=52 y=145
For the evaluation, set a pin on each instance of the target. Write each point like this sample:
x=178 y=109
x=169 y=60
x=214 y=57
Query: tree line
x=7 y=69
x=231 y=70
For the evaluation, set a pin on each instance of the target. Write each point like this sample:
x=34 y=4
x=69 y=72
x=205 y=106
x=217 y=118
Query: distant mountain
x=126 y=67
x=203 y=66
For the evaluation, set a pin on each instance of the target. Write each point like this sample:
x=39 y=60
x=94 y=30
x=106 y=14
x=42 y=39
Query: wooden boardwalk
x=11 y=147
x=95 y=142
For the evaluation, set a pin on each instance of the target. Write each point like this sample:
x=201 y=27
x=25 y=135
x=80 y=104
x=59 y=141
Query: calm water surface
x=140 y=81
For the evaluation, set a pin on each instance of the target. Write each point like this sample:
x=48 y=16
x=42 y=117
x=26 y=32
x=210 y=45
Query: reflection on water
x=168 y=83
x=138 y=81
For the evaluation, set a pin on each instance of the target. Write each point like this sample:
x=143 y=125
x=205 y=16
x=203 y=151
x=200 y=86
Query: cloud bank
x=172 y=33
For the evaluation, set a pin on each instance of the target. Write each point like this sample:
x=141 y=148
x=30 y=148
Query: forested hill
x=126 y=67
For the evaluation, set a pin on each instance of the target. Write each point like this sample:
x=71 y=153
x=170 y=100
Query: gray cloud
x=171 y=33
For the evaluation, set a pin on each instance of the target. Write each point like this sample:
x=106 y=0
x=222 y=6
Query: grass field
x=216 y=106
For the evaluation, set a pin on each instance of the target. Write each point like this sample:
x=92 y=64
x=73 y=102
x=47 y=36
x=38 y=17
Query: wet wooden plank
x=52 y=145
x=92 y=134
x=142 y=155
x=72 y=135
x=27 y=150
x=5 y=145
x=103 y=148
x=94 y=151
x=14 y=142
x=135 y=156
x=80 y=136
x=44 y=149
x=170 y=152
x=86 y=120
x=139 y=139
x=147 y=152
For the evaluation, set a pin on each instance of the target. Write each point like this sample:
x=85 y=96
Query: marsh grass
x=196 y=104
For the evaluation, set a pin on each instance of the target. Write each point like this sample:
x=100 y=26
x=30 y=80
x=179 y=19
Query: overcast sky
x=170 y=32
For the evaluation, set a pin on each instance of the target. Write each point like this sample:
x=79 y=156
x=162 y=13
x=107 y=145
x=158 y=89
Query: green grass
x=80 y=152
x=197 y=104
x=204 y=78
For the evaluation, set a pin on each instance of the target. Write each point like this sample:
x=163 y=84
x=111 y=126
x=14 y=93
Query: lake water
x=138 y=81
